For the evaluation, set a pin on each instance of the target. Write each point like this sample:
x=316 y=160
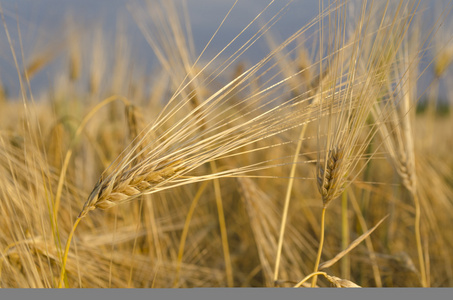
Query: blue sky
x=41 y=22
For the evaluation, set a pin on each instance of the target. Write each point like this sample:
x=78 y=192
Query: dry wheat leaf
x=342 y=283
x=354 y=244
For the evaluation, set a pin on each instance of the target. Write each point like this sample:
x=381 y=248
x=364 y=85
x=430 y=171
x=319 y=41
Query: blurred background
x=46 y=27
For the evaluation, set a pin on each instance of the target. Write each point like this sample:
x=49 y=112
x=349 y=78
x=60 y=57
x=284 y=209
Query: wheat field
x=325 y=162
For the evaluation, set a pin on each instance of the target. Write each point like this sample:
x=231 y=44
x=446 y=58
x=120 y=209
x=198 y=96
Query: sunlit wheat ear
x=133 y=174
x=114 y=191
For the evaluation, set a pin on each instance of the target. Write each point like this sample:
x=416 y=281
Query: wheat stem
x=419 y=241
x=66 y=252
x=222 y=224
x=368 y=242
x=321 y=243
x=287 y=200
x=185 y=230
x=299 y=284
x=345 y=239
